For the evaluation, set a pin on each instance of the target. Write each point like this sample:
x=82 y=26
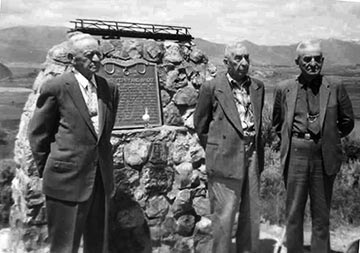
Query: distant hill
x=336 y=52
x=29 y=45
x=260 y=55
x=5 y=72
x=215 y=51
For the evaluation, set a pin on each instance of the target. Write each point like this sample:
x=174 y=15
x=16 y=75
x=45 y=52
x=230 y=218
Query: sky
x=264 y=22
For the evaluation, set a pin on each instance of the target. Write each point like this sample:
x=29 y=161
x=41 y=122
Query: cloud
x=13 y=7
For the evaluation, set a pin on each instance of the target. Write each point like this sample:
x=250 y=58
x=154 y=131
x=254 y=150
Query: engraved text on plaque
x=139 y=100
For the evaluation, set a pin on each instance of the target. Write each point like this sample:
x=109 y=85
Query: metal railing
x=118 y=29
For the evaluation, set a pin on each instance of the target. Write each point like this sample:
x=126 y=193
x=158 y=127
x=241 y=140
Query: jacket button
x=224 y=137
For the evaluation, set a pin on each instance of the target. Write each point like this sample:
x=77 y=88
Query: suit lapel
x=324 y=98
x=291 y=94
x=256 y=99
x=226 y=100
x=102 y=105
x=75 y=93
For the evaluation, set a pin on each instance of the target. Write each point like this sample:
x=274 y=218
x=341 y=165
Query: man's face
x=87 y=56
x=238 y=63
x=310 y=62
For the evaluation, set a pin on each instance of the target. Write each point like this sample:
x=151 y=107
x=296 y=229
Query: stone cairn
x=160 y=202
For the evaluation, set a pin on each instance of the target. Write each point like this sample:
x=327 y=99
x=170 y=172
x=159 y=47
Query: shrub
x=351 y=148
x=272 y=190
x=345 y=208
x=269 y=136
x=3 y=137
x=346 y=192
x=7 y=172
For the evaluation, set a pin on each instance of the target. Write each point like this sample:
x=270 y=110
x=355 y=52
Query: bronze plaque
x=139 y=102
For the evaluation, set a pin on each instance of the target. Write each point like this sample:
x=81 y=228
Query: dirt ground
x=340 y=240
x=269 y=235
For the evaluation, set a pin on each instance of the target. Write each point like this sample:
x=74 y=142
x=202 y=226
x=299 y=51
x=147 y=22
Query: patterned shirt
x=243 y=104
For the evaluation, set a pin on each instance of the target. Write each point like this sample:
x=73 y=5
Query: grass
x=12 y=103
x=12 y=100
x=8 y=132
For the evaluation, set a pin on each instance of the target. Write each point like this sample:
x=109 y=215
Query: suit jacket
x=65 y=146
x=336 y=120
x=218 y=126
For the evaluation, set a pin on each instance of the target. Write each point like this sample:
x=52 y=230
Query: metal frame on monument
x=137 y=79
x=118 y=29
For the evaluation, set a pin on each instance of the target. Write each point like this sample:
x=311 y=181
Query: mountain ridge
x=29 y=44
x=336 y=52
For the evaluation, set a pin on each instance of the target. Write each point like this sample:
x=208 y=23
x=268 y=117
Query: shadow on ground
x=307 y=249
x=268 y=246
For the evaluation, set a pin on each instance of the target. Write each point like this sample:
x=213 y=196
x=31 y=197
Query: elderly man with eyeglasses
x=69 y=135
x=311 y=114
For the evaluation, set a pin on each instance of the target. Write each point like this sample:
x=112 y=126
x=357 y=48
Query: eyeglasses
x=240 y=57
x=317 y=58
x=90 y=55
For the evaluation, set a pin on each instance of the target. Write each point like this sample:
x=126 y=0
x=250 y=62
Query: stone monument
x=160 y=202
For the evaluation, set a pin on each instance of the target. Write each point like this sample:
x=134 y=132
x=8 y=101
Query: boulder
x=136 y=152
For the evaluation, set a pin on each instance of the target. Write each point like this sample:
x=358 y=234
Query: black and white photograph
x=195 y=126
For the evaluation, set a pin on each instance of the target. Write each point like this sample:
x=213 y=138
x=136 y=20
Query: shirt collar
x=83 y=81
x=304 y=83
x=233 y=82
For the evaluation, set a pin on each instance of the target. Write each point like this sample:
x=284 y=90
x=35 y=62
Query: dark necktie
x=313 y=110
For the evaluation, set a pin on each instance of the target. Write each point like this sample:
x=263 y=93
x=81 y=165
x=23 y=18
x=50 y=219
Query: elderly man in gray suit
x=228 y=122
x=311 y=113
x=69 y=136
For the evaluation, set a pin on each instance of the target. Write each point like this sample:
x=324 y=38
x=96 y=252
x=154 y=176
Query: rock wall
x=160 y=203
x=160 y=189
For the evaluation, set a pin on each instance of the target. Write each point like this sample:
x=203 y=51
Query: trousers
x=69 y=221
x=306 y=177
x=235 y=209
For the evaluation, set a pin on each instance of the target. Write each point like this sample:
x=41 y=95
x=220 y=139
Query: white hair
x=305 y=45
x=74 y=38
x=230 y=48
